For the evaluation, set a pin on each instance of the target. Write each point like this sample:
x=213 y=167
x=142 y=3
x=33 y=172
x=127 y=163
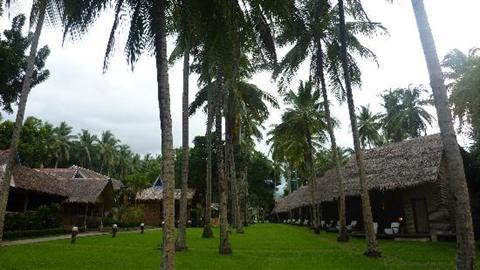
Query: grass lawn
x=263 y=246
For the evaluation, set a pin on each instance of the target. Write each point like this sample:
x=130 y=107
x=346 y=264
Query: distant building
x=152 y=201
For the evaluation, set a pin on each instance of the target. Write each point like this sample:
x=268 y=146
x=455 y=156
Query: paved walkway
x=48 y=238
x=60 y=237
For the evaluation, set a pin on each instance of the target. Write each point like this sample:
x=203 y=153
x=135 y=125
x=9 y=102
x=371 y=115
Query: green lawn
x=263 y=246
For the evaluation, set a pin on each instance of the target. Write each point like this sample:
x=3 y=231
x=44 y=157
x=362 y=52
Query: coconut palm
x=301 y=128
x=405 y=115
x=38 y=14
x=456 y=174
x=369 y=126
x=372 y=244
x=184 y=20
x=147 y=33
x=62 y=142
x=462 y=71
x=315 y=37
x=85 y=142
x=108 y=145
x=246 y=104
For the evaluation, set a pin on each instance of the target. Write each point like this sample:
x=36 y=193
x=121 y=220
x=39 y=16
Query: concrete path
x=60 y=237
x=48 y=238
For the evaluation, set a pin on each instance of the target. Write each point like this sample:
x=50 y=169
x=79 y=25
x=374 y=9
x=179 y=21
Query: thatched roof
x=74 y=190
x=393 y=166
x=87 y=190
x=156 y=194
x=76 y=172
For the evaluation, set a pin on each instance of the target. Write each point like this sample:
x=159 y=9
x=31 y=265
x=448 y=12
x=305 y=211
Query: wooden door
x=420 y=213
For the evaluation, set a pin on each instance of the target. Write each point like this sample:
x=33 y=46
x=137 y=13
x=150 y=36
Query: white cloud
x=126 y=103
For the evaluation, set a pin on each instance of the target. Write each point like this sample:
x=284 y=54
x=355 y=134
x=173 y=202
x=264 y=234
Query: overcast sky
x=125 y=102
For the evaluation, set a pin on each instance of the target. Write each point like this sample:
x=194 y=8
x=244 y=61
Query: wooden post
x=85 y=217
x=25 y=203
x=101 y=219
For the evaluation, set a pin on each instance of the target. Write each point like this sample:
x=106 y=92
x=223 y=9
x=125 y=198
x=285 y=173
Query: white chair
x=394 y=228
x=299 y=221
x=284 y=221
x=322 y=224
x=305 y=222
x=352 y=225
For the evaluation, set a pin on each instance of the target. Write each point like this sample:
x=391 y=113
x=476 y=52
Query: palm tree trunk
x=168 y=260
x=224 y=247
x=312 y=182
x=289 y=188
x=456 y=174
x=22 y=104
x=247 y=195
x=373 y=249
x=207 y=229
x=342 y=234
x=182 y=226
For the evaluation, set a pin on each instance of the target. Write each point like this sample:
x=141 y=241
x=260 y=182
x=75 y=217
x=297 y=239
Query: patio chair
x=394 y=228
x=305 y=222
x=299 y=221
x=352 y=225
x=322 y=224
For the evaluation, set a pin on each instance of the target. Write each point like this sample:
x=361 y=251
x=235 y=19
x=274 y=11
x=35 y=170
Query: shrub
x=11 y=235
x=46 y=217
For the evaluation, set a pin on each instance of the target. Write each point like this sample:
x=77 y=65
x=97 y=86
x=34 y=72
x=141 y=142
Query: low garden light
x=142 y=228
x=114 y=230
x=74 y=234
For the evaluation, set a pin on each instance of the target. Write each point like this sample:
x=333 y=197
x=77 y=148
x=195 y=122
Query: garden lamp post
x=114 y=230
x=74 y=234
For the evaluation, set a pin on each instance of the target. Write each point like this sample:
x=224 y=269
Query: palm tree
x=369 y=126
x=405 y=115
x=314 y=35
x=456 y=174
x=302 y=127
x=247 y=104
x=40 y=7
x=108 y=146
x=372 y=244
x=62 y=142
x=85 y=142
x=183 y=17
x=147 y=32
x=462 y=71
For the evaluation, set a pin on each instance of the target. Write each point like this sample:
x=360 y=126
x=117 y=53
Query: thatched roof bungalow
x=151 y=200
x=408 y=176
x=85 y=200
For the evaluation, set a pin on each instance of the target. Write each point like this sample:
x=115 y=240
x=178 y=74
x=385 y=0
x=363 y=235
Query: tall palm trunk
x=373 y=249
x=224 y=247
x=182 y=226
x=342 y=234
x=230 y=157
x=236 y=181
x=456 y=174
x=168 y=260
x=207 y=229
x=289 y=188
x=22 y=104
x=312 y=182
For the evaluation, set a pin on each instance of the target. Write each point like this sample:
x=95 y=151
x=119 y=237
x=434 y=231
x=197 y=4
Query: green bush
x=46 y=217
x=11 y=235
x=125 y=217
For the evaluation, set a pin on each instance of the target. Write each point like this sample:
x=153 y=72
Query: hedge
x=11 y=235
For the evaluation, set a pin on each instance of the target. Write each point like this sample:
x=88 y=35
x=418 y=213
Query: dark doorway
x=420 y=213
